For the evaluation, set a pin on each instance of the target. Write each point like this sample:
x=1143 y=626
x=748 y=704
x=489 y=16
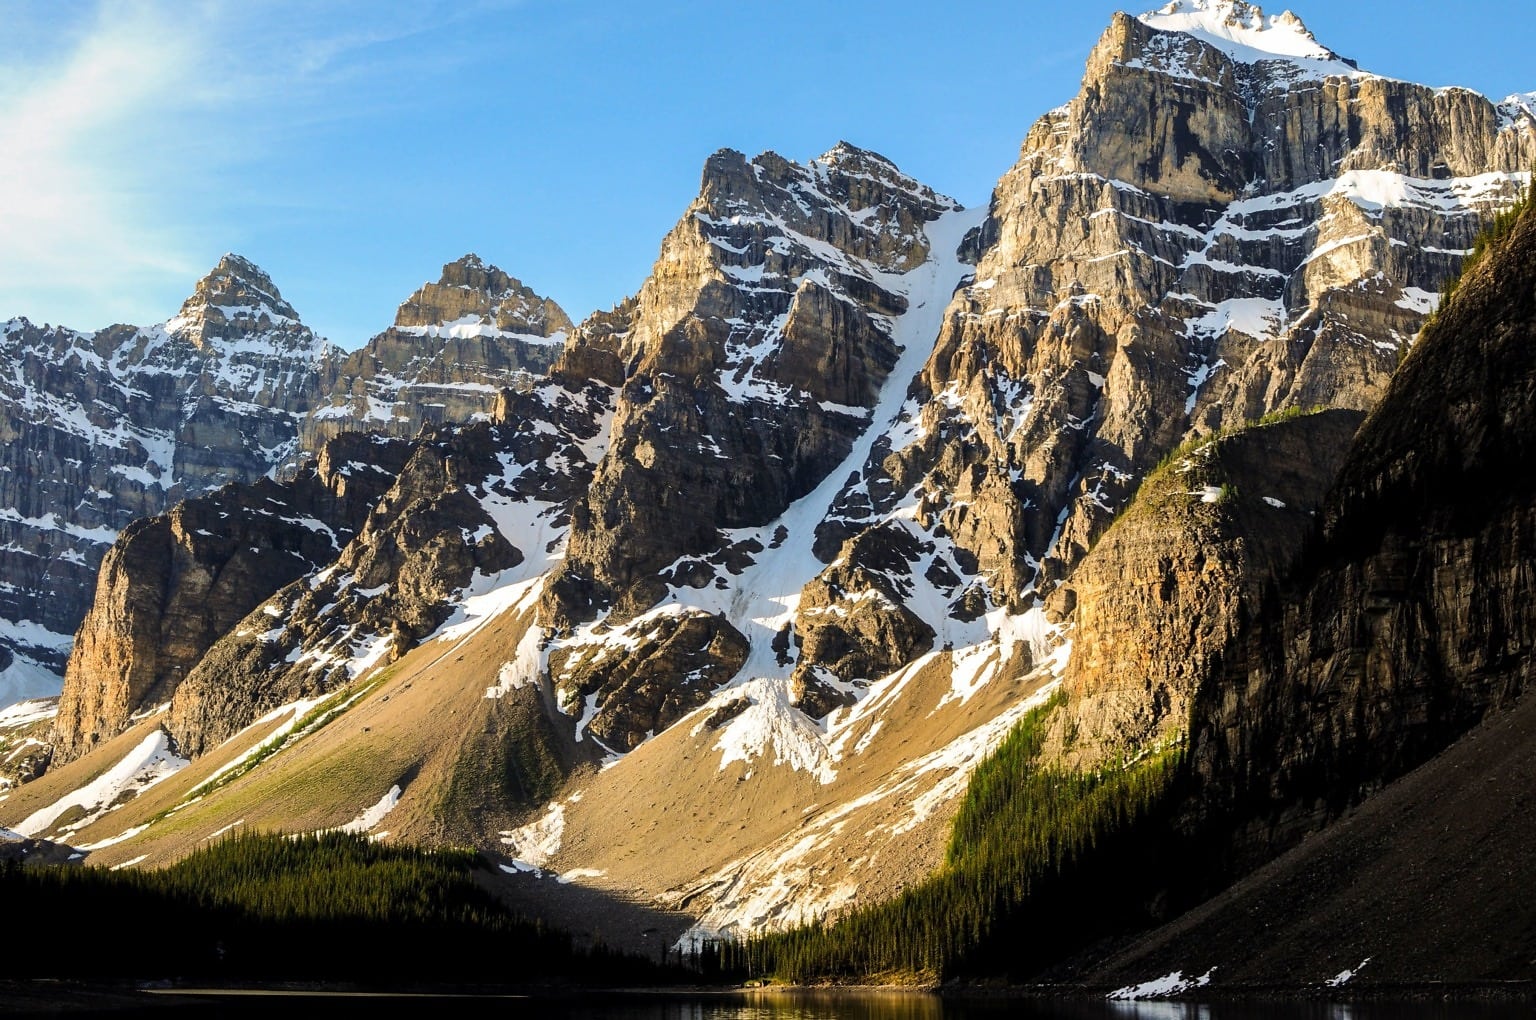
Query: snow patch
x=1344 y=977
x=770 y=721
x=370 y=818
x=1161 y=988
x=1246 y=34
x=25 y=713
x=148 y=764
x=538 y=841
x=522 y=669
x=575 y=874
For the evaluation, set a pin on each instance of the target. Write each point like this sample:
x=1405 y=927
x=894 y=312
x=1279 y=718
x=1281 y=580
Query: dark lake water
x=807 y=1006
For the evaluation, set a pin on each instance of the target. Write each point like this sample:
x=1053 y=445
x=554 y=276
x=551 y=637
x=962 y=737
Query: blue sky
x=352 y=148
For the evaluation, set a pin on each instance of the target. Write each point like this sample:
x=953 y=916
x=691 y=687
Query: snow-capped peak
x=1245 y=33
x=1515 y=108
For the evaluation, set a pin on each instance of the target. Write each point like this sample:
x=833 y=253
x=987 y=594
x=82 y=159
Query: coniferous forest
x=331 y=906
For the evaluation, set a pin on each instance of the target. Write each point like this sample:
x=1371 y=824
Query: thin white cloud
x=126 y=137
x=76 y=193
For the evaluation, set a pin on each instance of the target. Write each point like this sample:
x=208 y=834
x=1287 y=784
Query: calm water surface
x=839 y=1006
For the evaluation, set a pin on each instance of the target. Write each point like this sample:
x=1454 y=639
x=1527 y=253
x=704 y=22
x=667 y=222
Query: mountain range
x=698 y=617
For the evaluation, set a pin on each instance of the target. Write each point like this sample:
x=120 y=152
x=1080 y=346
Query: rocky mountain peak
x=236 y=298
x=474 y=298
x=1241 y=30
x=1228 y=44
x=826 y=199
x=847 y=158
x=455 y=343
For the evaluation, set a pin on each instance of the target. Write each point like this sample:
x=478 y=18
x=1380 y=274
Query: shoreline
x=29 y=995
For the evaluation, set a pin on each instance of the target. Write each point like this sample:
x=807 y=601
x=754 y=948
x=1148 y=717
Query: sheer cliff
x=1410 y=619
x=1377 y=703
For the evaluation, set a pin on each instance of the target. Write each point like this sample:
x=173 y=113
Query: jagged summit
x=453 y=346
x=475 y=298
x=1245 y=34
x=851 y=158
x=235 y=299
x=1241 y=29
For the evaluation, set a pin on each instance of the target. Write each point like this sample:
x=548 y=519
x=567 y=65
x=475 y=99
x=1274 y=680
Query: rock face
x=1156 y=604
x=1209 y=232
x=1398 y=654
x=753 y=357
x=672 y=666
x=475 y=509
x=1411 y=617
x=175 y=583
x=854 y=623
x=454 y=346
x=100 y=429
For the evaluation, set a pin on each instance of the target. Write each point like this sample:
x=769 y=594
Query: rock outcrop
x=454 y=346
x=174 y=584
x=1154 y=607
x=670 y=665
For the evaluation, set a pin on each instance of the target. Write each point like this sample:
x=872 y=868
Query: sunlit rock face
x=455 y=344
x=1227 y=221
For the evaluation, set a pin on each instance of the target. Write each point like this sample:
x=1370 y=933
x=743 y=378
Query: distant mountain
x=720 y=614
x=110 y=427
x=104 y=428
x=454 y=345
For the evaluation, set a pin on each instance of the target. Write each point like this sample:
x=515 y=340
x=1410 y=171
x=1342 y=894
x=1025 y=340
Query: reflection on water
x=807 y=1005
x=777 y=1005
x=811 y=1005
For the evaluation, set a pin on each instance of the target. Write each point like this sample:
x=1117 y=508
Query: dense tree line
x=332 y=906
x=1037 y=857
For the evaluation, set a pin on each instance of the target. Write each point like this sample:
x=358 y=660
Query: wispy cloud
x=78 y=166
x=126 y=126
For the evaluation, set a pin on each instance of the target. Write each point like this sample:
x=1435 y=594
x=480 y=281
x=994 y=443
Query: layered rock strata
x=100 y=429
x=454 y=346
x=716 y=552
x=1227 y=221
